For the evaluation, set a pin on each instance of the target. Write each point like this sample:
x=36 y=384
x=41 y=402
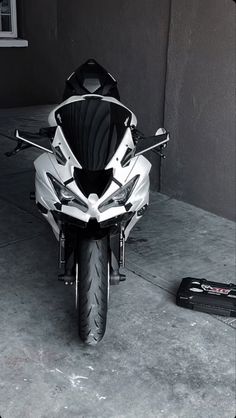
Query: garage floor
x=157 y=359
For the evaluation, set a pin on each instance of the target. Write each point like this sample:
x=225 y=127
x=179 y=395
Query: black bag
x=206 y=296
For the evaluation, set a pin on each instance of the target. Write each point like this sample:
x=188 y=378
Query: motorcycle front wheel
x=93 y=283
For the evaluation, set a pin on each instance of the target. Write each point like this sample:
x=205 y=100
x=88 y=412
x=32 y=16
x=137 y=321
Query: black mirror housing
x=151 y=142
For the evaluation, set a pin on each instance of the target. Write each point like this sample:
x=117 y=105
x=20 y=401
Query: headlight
x=65 y=196
x=120 y=197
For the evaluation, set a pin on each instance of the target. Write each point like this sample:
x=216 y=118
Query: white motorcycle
x=92 y=186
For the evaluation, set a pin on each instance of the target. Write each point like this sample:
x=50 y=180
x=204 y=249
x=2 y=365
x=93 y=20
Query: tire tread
x=92 y=257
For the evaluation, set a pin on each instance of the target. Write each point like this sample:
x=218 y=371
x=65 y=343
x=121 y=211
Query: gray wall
x=24 y=72
x=200 y=105
x=128 y=39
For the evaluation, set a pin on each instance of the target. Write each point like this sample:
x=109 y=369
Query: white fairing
x=48 y=163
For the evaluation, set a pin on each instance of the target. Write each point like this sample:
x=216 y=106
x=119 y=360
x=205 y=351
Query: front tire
x=92 y=259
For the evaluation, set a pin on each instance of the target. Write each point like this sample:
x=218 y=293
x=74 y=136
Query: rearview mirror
x=25 y=140
x=27 y=137
x=160 y=139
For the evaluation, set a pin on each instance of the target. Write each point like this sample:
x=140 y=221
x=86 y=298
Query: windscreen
x=93 y=128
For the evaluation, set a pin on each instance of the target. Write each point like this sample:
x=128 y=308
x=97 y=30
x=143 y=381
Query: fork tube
x=122 y=247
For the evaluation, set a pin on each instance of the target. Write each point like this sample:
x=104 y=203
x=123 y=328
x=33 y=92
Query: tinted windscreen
x=93 y=129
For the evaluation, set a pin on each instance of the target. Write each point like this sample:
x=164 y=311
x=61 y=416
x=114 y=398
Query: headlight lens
x=120 y=197
x=65 y=195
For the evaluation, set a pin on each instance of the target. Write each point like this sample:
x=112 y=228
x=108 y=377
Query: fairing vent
x=93 y=181
x=127 y=157
x=61 y=159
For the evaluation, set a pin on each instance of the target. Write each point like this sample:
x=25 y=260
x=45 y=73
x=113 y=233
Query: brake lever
x=48 y=132
x=20 y=147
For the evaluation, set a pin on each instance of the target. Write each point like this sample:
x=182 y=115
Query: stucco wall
x=26 y=73
x=200 y=105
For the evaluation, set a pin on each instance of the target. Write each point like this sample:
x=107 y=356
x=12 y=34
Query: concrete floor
x=156 y=359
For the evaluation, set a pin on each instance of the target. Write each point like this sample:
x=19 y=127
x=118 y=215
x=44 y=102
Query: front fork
x=66 y=257
x=117 y=247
